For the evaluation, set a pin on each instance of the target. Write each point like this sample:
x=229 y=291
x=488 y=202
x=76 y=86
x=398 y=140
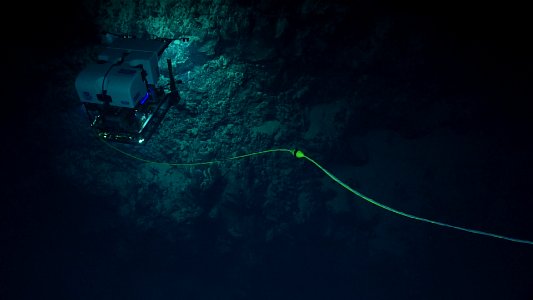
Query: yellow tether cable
x=299 y=154
x=191 y=164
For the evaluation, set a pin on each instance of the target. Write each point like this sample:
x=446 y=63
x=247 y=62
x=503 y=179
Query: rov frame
x=119 y=92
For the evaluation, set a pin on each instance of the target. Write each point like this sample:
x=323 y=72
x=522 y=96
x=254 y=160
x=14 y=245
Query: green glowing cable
x=192 y=164
x=299 y=154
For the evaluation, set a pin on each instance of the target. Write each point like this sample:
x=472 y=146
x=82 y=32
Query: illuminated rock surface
x=421 y=110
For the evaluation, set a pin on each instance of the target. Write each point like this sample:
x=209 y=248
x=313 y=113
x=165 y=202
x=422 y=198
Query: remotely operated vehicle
x=119 y=90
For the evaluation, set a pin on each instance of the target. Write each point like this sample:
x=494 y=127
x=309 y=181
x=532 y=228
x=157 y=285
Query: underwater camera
x=119 y=90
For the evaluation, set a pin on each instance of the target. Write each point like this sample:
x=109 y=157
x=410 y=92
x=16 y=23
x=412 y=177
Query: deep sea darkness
x=457 y=147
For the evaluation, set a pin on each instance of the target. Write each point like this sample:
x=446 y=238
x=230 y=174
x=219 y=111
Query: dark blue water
x=441 y=130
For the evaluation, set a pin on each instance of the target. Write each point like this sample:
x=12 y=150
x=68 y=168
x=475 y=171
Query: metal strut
x=174 y=95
